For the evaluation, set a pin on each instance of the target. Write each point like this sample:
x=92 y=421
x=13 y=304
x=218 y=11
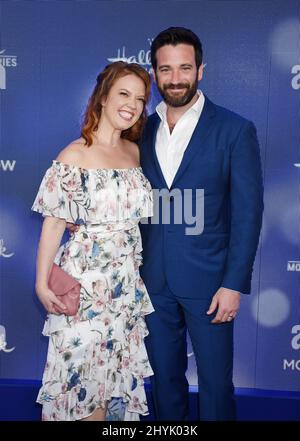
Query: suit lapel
x=153 y=131
x=199 y=135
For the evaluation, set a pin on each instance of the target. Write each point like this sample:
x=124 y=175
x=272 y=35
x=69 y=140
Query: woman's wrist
x=41 y=285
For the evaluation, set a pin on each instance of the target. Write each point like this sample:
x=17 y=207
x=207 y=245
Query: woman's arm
x=52 y=232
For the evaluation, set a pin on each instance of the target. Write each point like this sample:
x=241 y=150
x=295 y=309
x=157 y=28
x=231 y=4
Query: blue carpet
x=17 y=403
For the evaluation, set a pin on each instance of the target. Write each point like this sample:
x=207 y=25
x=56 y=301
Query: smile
x=128 y=116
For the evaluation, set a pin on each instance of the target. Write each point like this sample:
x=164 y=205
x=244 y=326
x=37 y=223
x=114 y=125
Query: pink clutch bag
x=66 y=288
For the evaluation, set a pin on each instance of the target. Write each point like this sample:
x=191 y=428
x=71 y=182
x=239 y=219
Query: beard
x=181 y=99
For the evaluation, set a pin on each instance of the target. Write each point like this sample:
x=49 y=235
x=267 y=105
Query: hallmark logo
x=142 y=58
x=5 y=61
x=7 y=165
x=3 y=340
x=3 y=250
x=293 y=265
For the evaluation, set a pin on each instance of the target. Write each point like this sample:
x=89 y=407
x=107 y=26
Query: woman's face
x=125 y=102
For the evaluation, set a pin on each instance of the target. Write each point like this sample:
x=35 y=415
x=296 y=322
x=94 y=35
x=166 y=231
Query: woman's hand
x=72 y=228
x=52 y=232
x=50 y=301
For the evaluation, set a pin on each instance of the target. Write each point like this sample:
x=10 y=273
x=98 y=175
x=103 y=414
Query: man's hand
x=228 y=302
x=72 y=227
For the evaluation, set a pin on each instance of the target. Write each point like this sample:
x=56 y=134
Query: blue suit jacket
x=223 y=159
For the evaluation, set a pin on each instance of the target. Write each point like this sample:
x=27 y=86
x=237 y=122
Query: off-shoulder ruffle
x=94 y=196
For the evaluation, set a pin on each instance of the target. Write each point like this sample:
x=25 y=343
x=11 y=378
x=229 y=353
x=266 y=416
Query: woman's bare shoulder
x=134 y=150
x=73 y=153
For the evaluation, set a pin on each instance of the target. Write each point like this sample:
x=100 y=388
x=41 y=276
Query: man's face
x=176 y=74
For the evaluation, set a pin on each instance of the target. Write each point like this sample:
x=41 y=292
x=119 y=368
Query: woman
x=97 y=359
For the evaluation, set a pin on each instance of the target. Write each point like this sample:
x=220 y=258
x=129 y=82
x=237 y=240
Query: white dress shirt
x=170 y=147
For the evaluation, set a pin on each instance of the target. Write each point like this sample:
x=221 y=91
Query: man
x=195 y=280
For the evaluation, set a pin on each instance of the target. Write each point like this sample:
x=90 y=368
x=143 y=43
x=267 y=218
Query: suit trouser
x=167 y=350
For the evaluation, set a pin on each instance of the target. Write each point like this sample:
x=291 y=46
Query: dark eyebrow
x=163 y=66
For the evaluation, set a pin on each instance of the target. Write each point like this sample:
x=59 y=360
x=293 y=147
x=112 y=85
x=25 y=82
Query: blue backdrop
x=50 y=55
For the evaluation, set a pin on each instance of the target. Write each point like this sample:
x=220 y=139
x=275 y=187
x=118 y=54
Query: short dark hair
x=174 y=36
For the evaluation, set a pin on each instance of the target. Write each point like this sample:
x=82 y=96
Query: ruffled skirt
x=99 y=355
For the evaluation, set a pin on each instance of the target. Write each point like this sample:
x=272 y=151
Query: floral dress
x=98 y=355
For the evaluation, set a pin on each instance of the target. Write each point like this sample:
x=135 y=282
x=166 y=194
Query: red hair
x=105 y=81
